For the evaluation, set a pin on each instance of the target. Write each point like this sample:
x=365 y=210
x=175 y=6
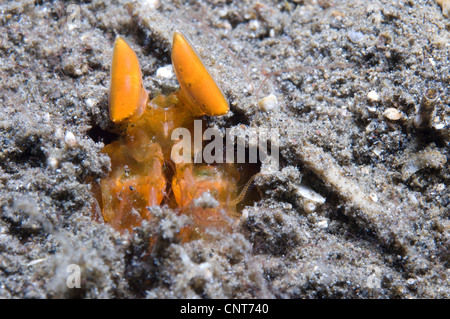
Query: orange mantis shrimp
x=137 y=180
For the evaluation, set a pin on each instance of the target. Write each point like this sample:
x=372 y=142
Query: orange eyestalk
x=127 y=95
x=197 y=87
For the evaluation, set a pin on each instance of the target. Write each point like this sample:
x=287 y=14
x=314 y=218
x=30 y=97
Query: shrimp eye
x=195 y=81
x=127 y=96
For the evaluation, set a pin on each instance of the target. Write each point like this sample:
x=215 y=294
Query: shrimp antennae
x=244 y=191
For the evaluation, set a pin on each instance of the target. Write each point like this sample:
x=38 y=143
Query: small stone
x=373 y=96
x=225 y=25
x=310 y=195
x=322 y=224
x=46 y=118
x=309 y=207
x=268 y=103
x=52 y=162
x=355 y=36
x=165 y=72
x=393 y=114
x=253 y=25
x=70 y=139
x=151 y=4
x=59 y=134
x=244 y=215
x=90 y=103
x=374 y=197
x=411 y=281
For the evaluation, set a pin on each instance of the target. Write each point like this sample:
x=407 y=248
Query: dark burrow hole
x=100 y=135
x=29 y=153
x=238 y=118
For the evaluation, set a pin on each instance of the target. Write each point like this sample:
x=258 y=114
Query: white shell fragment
x=309 y=194
x=309 y=206
x=165 y=72
x=393 y=114
x=373 y=96
x=46 y=118
x=355 y=36
x=373 y=197
x=268 y=103
x=151 y=4
x=253 y=25
x=70 y=139
x=322 y=224
x=36 y=261
x=52 y=162
x=90 y=102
